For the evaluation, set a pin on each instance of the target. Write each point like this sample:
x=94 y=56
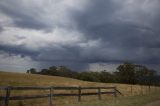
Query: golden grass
x=20 y=79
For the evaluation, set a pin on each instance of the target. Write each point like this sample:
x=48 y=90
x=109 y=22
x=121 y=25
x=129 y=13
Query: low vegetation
x=126 y=73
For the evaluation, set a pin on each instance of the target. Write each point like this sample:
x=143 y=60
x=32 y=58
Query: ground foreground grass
x=139 y=100
x=134 y=95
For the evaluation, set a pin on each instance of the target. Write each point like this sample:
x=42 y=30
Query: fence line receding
x=51 y=93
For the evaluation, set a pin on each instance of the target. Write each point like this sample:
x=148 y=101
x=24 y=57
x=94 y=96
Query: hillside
x=20 y=79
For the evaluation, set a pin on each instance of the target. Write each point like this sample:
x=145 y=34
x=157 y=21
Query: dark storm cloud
x=129 y=41
x=64 y=53
x=113 y=31
x=22 y=16
x=124 y=35
x=19 y=50
x=99 y=21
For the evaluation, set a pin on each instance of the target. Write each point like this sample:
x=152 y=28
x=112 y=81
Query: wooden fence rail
x=51 y=93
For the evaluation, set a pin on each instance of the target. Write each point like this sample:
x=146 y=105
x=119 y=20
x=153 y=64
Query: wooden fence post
x=50 y=98
x=79 y=94
x=131 y=90
x=141 y=89
x=149 y=88
x=99 y=93
x=6 y=103
x=115 y=92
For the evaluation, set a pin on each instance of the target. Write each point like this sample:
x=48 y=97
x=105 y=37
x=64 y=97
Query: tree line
x=127 y=73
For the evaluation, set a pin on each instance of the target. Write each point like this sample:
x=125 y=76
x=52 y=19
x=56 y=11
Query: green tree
x=106 y=77
x=32 y=71
x=126 y=73
x=89 y=76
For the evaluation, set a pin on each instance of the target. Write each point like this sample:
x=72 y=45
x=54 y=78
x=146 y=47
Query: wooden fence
x=51 y=93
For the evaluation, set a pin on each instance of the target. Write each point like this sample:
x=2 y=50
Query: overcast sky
x=80 y=34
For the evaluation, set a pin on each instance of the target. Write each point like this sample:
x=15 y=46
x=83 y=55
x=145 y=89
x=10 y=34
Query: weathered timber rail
x=51 y=93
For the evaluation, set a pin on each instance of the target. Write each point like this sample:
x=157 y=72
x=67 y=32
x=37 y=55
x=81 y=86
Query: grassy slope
x=19 y=79
x=139 y=100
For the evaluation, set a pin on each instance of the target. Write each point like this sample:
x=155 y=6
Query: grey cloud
x=39 y=15
x=124 y=38
x=103 y=24
x=1 y=29
x=23 y=16
x=19 y=50
x=63 y=55
x=121 y=40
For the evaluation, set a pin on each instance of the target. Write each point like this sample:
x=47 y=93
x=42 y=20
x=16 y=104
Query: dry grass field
x=20 y=79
